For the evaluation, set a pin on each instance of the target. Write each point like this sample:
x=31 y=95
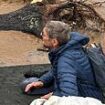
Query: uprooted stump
x=32 y=17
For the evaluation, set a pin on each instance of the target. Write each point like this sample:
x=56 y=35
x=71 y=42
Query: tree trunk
x=27 y=19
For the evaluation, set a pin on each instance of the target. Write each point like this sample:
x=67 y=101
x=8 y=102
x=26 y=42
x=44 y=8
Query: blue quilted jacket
x=71 y=70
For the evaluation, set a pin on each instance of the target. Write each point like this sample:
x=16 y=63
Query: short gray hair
x=58 y=30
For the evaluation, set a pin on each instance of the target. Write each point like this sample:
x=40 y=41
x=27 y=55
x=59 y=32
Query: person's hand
x=47 y=96
x=37 y=84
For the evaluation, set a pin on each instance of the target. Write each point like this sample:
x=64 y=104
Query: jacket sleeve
x=47 y=78
x=66 y=77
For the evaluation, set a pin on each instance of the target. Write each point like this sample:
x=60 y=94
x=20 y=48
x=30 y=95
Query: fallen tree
x=32 y=17
x=27 y=19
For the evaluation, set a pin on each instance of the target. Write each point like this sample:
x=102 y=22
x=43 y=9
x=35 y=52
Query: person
x=71 y=73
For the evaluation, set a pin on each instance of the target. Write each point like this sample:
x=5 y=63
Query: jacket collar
x=76 y=41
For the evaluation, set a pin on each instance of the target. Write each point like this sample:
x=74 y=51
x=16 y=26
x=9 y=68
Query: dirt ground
x=17 y=48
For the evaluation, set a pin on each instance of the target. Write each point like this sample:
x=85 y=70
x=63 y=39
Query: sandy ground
x=6 y=7
x=17 y=48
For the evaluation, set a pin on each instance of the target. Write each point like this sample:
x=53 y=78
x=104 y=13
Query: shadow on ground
x=10 y=77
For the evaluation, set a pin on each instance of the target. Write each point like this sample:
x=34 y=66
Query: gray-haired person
x=71 y=71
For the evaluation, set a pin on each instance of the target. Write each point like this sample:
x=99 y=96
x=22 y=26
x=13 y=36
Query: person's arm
x=67 y=77
x=47 y=78
x=37 y=84
x=47 y=96
x=44 y=80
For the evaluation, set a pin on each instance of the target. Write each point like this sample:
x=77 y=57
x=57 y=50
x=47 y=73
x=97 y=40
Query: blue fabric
x=71 y=70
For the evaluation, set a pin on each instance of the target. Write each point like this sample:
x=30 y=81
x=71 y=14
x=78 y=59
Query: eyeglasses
x=42 y=33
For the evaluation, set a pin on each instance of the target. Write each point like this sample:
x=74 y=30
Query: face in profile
x=45 y=38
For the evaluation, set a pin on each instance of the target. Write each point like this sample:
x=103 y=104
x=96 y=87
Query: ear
x=55 y=42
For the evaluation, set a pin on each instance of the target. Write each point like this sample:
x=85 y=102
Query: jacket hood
x=76 y=41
